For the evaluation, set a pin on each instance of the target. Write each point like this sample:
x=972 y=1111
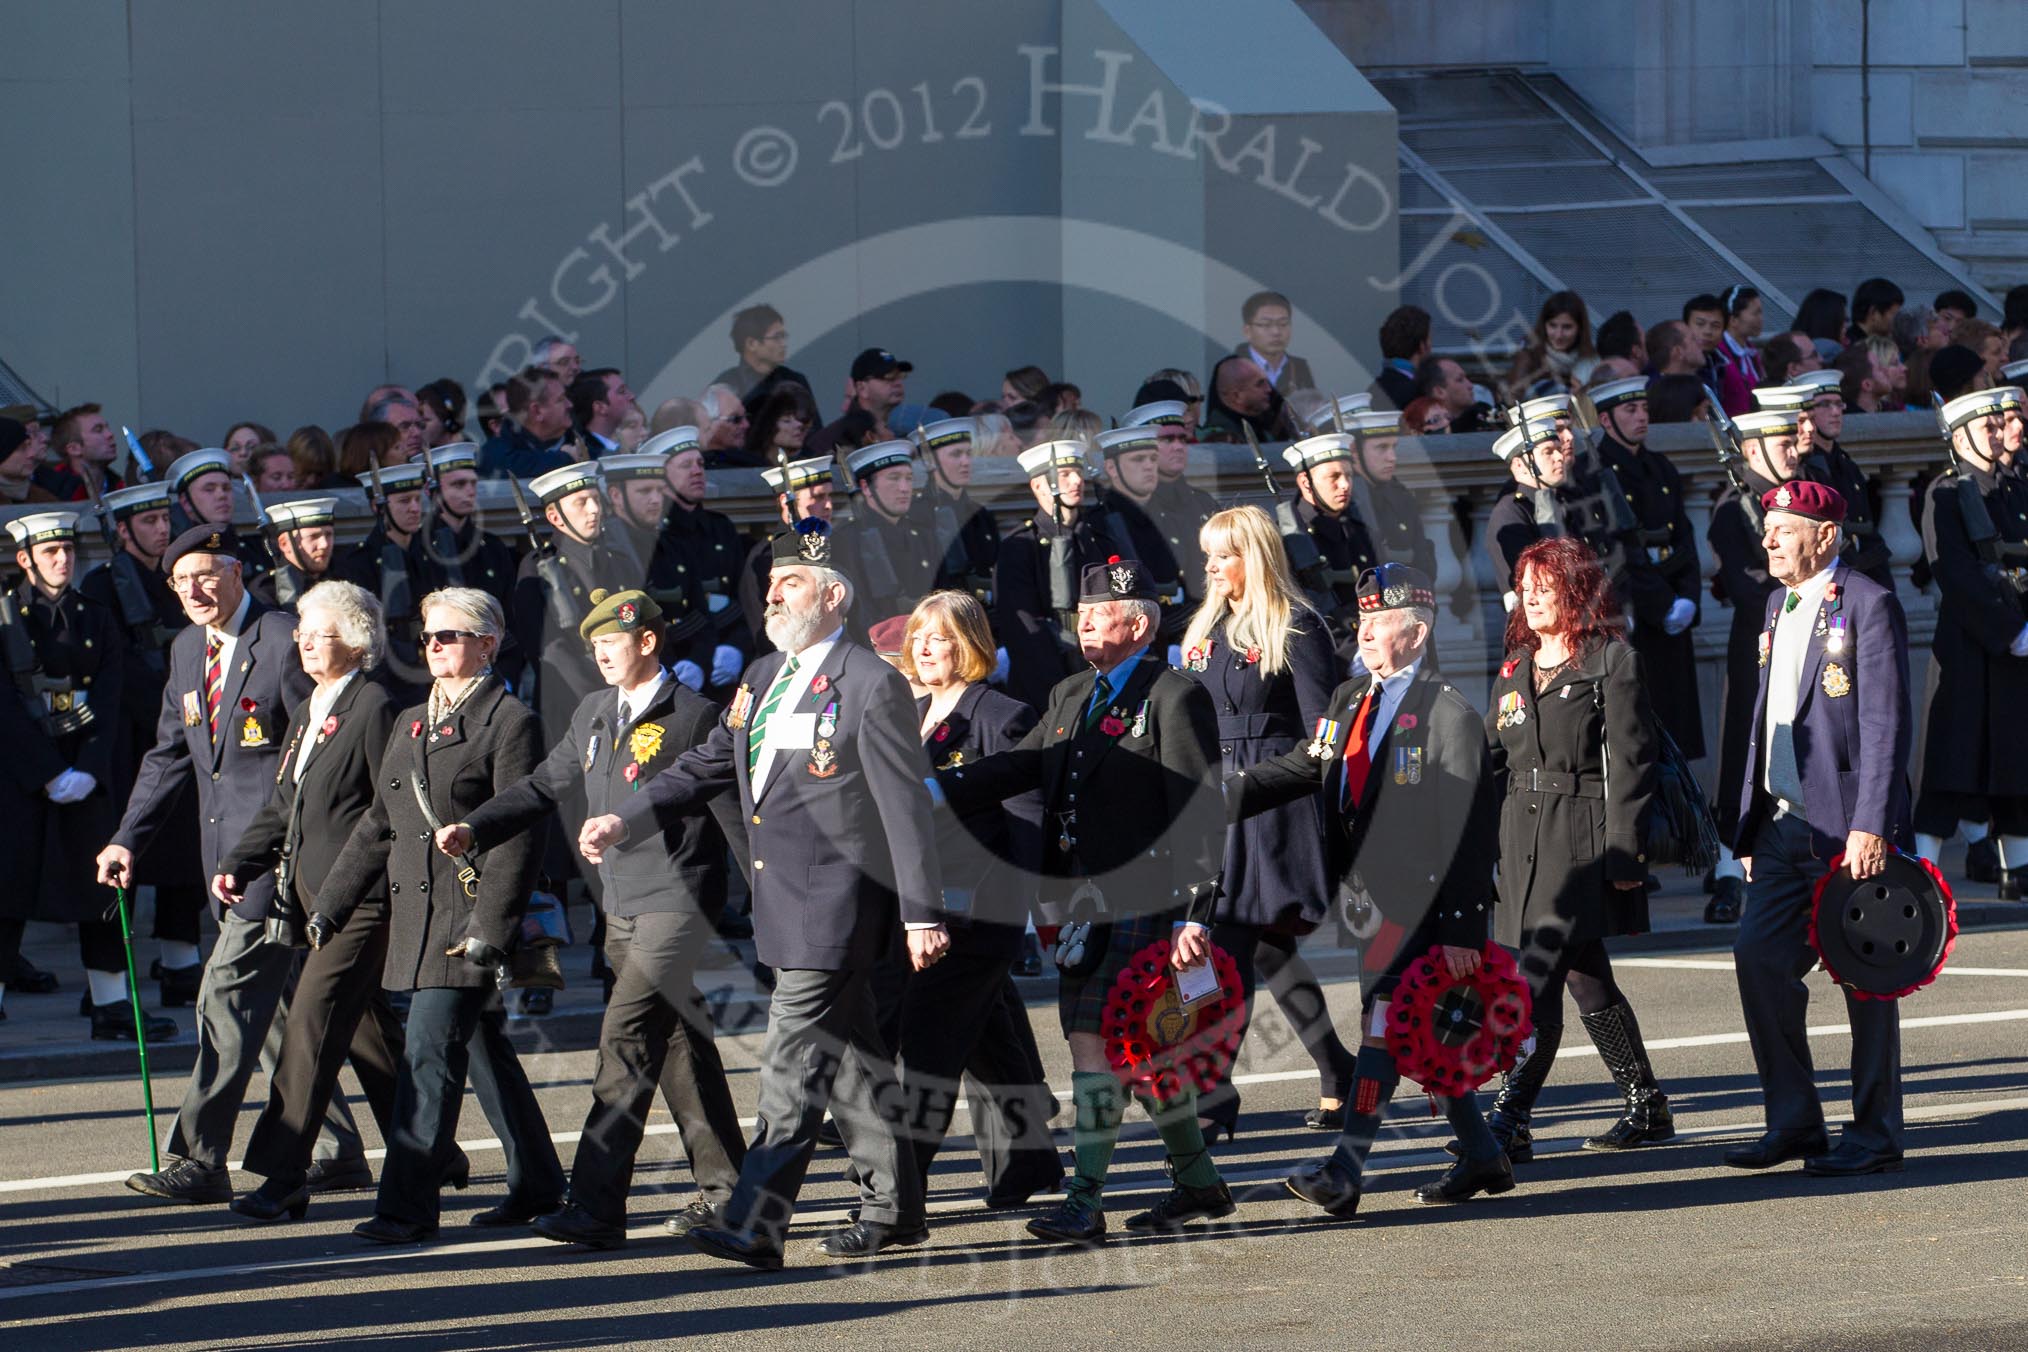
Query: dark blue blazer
x=841 y=850
x=1853 y=729
x=234 y=774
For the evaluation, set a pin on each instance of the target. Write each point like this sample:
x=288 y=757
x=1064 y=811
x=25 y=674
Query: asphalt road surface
x=1658 y=1248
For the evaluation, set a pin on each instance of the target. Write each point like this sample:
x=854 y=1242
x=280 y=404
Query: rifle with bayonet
x=548 y=565
x=1062 y=549
x=397 y=591
x=1306 y=560
x=1732 y=459
x=289 y=586
x=439 y=541
x=142 y=463
x=23 y=669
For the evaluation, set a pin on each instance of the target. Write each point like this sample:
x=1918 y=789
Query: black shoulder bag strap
x=468 y=872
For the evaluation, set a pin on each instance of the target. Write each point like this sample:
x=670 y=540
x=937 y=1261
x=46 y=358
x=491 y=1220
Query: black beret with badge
x=1116 y=579
x=200 y=540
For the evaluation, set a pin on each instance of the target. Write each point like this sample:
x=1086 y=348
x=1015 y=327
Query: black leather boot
x=1982 y=861
x=1617 y=1035
x=1514 y=1105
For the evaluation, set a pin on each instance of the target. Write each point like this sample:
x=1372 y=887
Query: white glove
x=1000 y=667
x=55 y=788
x=690 y=674
x=2019 y=647
x=1508 y=600
x=1682 y=610
x=726 y=664
x=1176 y=655
x=72 y=786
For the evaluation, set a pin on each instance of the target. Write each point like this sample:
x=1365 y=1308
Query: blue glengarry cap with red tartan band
x=1395 y=586
x=1812 y=502
x=1116 y=579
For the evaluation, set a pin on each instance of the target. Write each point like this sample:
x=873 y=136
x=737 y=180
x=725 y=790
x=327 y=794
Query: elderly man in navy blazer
x=1827 y=776
x=820 y=743
x=234 y=677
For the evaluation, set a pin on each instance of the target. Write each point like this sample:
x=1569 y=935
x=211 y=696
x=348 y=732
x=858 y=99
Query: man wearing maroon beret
x=1827 y=775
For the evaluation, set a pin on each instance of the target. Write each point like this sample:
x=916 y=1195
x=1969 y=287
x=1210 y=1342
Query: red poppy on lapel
x=631 y=773
x=1405 y=723
x=942 y=734
x=444 y=731
x=415 y=728
x=1509 y=667
x=1252 y=656
x=1111 y=727
x=821 y=684
x=330 y=725
x=248 y=704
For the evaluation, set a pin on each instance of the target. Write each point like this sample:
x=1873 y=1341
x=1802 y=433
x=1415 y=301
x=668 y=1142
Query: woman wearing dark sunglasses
x=454 y=922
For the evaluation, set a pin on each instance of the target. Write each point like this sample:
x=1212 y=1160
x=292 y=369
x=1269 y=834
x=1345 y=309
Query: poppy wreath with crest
x=1158 y=1046
x=1451 y=1035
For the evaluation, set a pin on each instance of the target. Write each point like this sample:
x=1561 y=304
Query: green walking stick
x=140 y=1028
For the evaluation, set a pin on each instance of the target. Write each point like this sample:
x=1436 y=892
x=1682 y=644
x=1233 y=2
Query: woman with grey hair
x=453 y=925
x=335 y=742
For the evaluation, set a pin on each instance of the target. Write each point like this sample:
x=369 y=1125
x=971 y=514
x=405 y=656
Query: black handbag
x=1676 y=828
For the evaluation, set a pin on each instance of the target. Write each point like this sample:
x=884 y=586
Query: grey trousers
x=823 y=1049
x=241 y=1004
x=1771 y=957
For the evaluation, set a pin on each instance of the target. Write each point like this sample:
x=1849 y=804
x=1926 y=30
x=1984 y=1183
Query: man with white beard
x=820 y=742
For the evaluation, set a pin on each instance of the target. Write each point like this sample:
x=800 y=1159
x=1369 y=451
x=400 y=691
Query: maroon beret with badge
x=1802 y=498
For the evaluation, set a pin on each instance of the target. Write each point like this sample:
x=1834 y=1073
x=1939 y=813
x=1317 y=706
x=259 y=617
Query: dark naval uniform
x=1035 y=599
x=1743 y=581
x=1396 y=524
x=567 y=672
x=967 y=543
x=892 y=564
x=1136 y=531
x=1346 y=548
x=1181 y=509
x=68 y=718
x=1831 y=465
x=708 y=554
x=443 y=555
x=388 y=571
x=1975 y=695
x=1654 y=489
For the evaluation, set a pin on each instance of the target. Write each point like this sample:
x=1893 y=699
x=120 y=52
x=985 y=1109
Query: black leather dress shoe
x=1077 y=1219
x=1321 y=1118
x=339 y=1176
x=863 y=1239
x=718 y=1242
x=1467 y=1179
x=511 y=1212
x=1325 y=1185
x=1181 y=1206
x=1777 y=1147
x=1014 y=1200
x=1726 y=898
x=692 y=1216
x=386 y=1230
x=829 y=1136
x=272 y=1201
x=177 y=986
x=185 y=1181
x=28 y=979
x=115 y=1023
x=1850 y=1160
x=575 y=1225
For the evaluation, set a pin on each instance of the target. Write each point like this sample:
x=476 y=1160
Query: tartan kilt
x=1081 y=1001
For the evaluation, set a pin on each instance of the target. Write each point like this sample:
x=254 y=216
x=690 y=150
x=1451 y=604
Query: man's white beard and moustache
x=791 y=631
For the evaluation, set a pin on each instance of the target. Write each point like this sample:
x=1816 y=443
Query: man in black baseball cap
x=879 y=380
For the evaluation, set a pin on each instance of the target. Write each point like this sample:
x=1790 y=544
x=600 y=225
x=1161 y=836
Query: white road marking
x=1725 y=965
x=1568 y=1052
x=1400 y=1156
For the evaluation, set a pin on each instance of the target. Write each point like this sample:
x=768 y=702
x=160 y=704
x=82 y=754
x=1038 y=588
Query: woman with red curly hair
x=1574 y=751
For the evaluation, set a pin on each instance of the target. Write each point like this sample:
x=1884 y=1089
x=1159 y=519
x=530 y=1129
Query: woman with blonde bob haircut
x=1265 y=656
x=963 y=1015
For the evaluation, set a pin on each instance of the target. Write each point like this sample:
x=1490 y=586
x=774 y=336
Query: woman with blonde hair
x=963 y=1016
x=1263 y=653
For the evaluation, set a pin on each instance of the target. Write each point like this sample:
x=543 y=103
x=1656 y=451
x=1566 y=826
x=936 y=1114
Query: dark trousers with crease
x=963 y=1017
x=823 y=1050
x=443 y=1022
x=1771 y=955
x=656 y=1029
x=338 y=1012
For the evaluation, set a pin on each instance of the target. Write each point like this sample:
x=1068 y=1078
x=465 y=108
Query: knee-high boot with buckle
x=1617 y=1035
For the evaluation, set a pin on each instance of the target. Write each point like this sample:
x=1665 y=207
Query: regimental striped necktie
x=1101 y=692
x=214 y=684
x=756 y=733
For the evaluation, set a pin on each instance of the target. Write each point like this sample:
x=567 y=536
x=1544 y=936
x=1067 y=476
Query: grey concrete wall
x=231 y=208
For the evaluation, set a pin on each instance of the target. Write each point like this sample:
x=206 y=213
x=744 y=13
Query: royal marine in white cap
x=185 y=470
x=404 y=478
x=1614 y=393
x=43 y=528
x=1037 y=461
x=888 y=548
x=673 y=442
x=1120 y=440
x=1342 y=409
x=558 y=484
x=869 y=460
x=1161 y=413
x=1769 y=422
x=802 y=474
x=1532 y=432
x=1785 y=398
x=302 y=513
x=1314 y=451
x=641 y=464
x=1968 y=409
x=124 y=503
x=948 y=432
x=1548 y=406
x=457 y=455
